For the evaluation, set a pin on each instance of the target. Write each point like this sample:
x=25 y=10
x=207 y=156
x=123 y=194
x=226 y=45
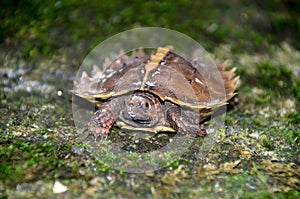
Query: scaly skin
x=143 y=110
x=102 y=120
x=182 y=124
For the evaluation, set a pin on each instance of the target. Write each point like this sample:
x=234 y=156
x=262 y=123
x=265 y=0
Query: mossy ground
x=255 y=156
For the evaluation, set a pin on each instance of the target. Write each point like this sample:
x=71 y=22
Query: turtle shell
x=164 y=73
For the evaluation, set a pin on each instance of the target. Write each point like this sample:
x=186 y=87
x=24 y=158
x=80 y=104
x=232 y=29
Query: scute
x=169 y=76
x=177 y=80
x=118 y=77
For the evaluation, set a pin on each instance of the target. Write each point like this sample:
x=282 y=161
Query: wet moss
x=294 y=118
x=267 y=144
x=295 y=90
x=26 y=157
x=273 y=76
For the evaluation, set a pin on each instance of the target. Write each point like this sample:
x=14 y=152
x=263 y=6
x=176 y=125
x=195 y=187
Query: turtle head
x=142 y=109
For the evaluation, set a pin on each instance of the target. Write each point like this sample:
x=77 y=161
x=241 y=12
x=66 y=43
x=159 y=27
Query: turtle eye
x=145 y=106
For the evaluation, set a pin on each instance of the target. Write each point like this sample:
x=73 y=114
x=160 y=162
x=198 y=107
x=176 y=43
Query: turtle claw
x=97 y=131
x=201 y=132
x=104 y=137
x=99 y=137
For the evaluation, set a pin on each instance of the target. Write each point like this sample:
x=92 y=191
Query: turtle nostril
x=131 y=104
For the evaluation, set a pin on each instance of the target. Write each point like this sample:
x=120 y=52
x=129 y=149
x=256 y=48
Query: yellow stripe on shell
x=153 y=63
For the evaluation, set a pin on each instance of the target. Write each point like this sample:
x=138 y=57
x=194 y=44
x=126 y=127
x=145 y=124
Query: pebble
x=58 y=187
x=254 y=135
x=59 y=93
x=77 y=150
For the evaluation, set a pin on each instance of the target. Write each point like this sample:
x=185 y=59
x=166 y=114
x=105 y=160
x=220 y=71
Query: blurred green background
x=43 y=26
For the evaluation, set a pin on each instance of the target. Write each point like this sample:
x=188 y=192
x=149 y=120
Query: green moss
x=175 y=164
x=20 y=160
x=273 y=76
x=9 y=171
x=267 y=144
x=264 y=97
x=295 y=90
x=295 y=137
x=242 y=185
x=294 y=118
x=101 y=167
x=277 y=79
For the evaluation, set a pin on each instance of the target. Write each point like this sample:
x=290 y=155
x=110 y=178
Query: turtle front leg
x=184 y=123
x=102 y=120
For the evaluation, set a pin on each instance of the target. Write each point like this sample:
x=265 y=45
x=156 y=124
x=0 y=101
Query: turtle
x=160 y=92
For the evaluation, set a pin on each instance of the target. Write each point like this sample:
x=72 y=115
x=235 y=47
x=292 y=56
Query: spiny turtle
x=158 y=92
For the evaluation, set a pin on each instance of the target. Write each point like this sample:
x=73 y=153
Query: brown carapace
x=158 y=92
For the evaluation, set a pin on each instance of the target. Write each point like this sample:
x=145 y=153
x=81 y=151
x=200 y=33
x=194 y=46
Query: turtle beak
x=142 y=121
x=141 y=117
